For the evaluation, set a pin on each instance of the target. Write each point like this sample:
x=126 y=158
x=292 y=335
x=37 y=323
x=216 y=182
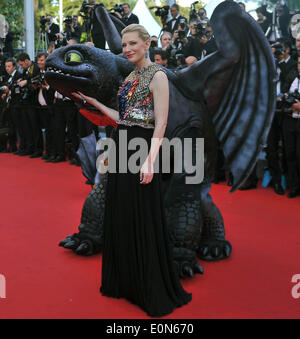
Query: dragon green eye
x=73 y=57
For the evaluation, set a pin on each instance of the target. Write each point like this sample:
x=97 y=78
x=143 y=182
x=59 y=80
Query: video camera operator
x=291 y=128
x=10 y=96
x=176 y=20
x=123 y=12
x=27 y=118
x=175 y=50
x=282 y=14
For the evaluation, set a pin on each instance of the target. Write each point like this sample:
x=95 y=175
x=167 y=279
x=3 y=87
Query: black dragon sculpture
x=228 y=97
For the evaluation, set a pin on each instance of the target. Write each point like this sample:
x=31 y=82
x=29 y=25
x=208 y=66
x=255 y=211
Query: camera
x=162 y=12
x=68 y=20
x=279 y=49
x=2 y=89
x=43 y=21
x=118 y=8
x=193 y=12
x=290 y=100
x=181 y=35
x=38 y=80
x=200 y=30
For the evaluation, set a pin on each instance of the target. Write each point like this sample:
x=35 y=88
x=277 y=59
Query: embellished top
x=136 y=105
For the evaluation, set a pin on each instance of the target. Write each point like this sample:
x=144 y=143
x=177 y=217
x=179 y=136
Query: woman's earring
x=147 y=54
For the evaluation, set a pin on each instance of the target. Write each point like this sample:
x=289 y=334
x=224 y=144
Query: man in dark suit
x=45 y=97
x=27 y=114
x=53 y=29
x=11 y=102
x=127 y=18
x=173 y=24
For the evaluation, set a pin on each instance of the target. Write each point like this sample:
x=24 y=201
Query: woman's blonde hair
x=142 y=32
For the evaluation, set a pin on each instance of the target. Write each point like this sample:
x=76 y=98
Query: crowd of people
x=44 y=123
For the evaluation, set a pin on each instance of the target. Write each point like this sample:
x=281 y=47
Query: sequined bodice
x=136 y=106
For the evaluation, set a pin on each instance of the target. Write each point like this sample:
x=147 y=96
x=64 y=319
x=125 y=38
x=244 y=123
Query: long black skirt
x=137 y=260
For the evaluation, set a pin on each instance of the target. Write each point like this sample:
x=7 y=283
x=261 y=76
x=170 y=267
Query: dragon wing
x=237 y=83
x=112 y=28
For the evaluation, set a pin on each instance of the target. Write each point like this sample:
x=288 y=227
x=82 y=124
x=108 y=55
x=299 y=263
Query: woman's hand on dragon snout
x=82 y=97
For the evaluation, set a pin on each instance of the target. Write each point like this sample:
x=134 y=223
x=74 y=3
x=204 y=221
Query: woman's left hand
x=146 y=172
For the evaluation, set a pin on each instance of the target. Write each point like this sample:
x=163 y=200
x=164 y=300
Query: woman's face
x=165 y=41
x=134 y=48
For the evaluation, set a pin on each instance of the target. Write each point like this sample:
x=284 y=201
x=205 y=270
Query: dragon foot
x=79 y=244
x=214 y=250
x=185 y=262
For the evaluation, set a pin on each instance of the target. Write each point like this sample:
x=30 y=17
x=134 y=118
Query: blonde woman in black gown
x=137 y=261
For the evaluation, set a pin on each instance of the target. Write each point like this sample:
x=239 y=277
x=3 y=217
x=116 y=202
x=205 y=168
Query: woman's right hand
x=89 y=100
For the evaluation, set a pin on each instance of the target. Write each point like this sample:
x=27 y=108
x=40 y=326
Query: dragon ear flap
x=125 y=67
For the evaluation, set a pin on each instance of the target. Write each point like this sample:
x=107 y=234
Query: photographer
x=195 y=45
x=11 y=103
x=72 y=31
x=176 y=20
x=175 y=51
x=281 y=50
x=52 y=28
x=203 y=19
x=126 y=16
x=45 y=97
x=27 y=115
x=291 y=128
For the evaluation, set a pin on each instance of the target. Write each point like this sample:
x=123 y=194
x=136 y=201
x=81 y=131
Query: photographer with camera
x=11 y=103
x=291 y=128
x=51 y=28
x=72 y=31
x=123 y=12
x=27 y=114
x=45 y=119
x=177 y=19
x=281 y=50
x=195 y=44
x=175 y=51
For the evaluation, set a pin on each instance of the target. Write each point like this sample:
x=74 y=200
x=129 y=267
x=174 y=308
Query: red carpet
x=41 y=204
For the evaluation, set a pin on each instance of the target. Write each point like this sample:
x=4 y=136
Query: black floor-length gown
x=137 y=260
